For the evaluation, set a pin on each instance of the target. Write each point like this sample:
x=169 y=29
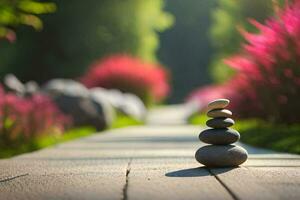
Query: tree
x=82 y=31
x=21 y=12
x=228 y=17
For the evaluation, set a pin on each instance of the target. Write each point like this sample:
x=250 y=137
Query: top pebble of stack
x=218 y=104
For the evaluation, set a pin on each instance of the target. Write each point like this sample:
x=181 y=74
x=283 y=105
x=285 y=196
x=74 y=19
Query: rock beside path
x=96 y=107
x=74 y=99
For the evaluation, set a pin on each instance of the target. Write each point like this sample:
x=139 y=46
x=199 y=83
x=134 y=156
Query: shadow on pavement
x=196 y=172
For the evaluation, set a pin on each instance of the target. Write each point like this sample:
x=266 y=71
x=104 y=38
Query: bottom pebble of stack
x=221 y=155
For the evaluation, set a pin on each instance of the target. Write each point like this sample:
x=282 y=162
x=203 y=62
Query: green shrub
x=227 y=18
x=255 y=132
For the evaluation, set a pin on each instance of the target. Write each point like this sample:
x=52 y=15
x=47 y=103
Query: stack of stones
x=221 y=152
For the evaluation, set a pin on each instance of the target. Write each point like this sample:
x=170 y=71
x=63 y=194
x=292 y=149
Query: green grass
x=198 y=119
x=124 y=121
x=46 y=141
x=285 y=138
x=279 y=137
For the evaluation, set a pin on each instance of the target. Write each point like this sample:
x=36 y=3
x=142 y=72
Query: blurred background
x=102 y=64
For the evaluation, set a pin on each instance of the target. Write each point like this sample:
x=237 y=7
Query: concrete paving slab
x=146 y=162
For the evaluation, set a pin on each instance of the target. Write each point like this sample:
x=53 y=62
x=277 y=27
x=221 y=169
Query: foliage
x=284 y=138
x=260 y=133
x=82 y=31
x=21 y=12
x=125 y=121
x=267 y=82
x=197 y=119
x=24 y=119
x=129 y=74
x=268 y=69
x=45 y=141
x=228 y=17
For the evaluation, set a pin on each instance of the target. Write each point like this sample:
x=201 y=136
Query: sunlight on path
x=155 y=161
x=170 y=115
x=177 y=115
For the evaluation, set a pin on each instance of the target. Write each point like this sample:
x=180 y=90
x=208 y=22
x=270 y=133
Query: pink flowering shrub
x=267 y=82
x=128 y=74
x=24 y=119
x=244 y=103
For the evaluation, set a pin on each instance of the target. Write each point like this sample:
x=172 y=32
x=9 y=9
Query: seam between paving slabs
x=231 y=193
x=125 y=188
x=12 y=178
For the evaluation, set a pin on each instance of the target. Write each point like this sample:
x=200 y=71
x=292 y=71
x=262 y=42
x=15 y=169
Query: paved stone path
x=147 y=162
